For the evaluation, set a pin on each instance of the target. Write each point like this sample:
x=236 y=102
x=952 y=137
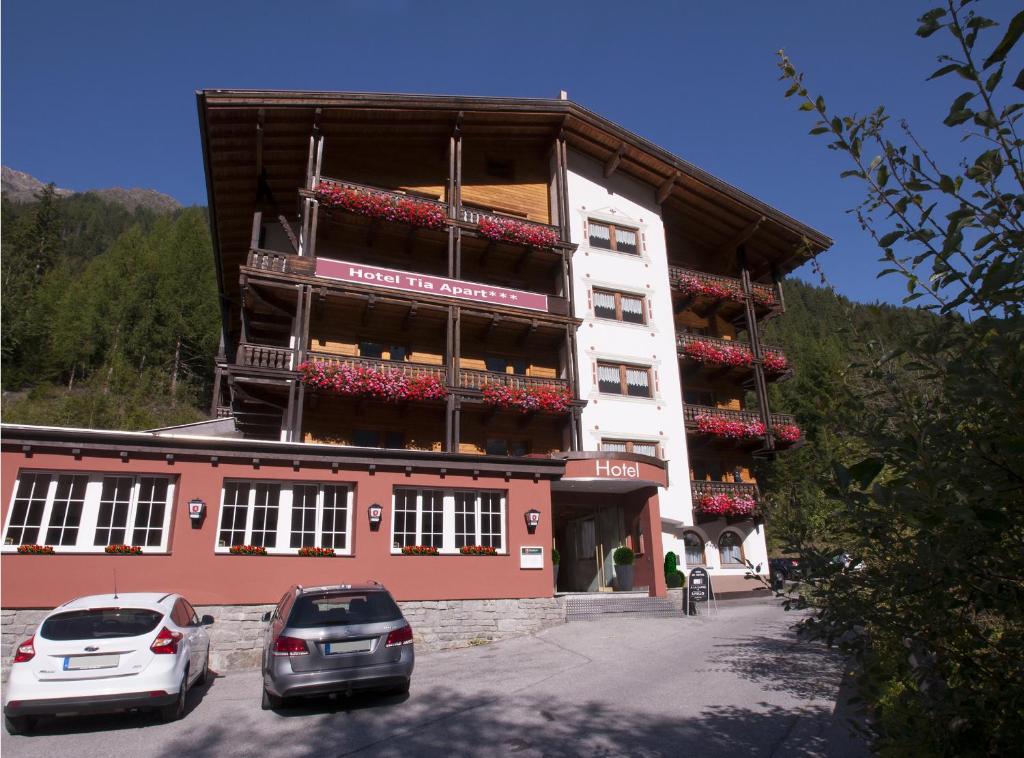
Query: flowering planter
x=247 y=550
x=380 y=384
x=316 y=552
x=478 y=550
x=788 y=433
x=775 y=363
x=730 y=506
x=728 y=429
x=695 y=287
x=35 y=550
x=546 y=398
x=381 y=205
x=518 y=232
x=419 y=550
x=122 y=550
x=704 y=352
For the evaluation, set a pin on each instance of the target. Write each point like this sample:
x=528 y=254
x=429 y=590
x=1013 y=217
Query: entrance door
x=584 y=537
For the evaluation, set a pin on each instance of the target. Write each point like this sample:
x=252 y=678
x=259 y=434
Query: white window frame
x=283 y=532
x=91 y=509
x=448 y=510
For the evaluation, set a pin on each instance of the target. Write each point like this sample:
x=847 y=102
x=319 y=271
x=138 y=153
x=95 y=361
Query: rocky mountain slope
x=19 y=187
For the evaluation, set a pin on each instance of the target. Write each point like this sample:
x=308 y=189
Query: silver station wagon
x=335 y=639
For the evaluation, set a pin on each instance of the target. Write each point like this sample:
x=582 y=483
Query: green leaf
x=943 y=71
x=891 y=237
x=957 y=112
x=819 y=130
x=930 y=22
x=946 y=184
x=993 y=81
x=866 y=471
x=1019 y=81
x=1013 y=32
x=807 y=106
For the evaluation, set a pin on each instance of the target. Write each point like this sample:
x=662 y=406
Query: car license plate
x=350 y=646
x=86 y=662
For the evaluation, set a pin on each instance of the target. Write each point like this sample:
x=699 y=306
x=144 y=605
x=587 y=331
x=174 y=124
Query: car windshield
x=343 y=608
x=100 y=623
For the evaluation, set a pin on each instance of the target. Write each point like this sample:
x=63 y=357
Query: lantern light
x=532 y=520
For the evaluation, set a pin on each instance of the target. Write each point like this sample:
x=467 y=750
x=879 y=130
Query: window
x=694 y=549
x=376 y=438
x=87 y=512
x=285 y=516
x=448 y=519
x=699 y=397
x=613 y=237
x=619 y=306
x=501 y=365
x=382 y=352
x=619 y=379
x=730 y=548
x=630 y=446
x=518 y=448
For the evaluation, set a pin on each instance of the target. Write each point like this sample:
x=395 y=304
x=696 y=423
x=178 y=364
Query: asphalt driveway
x=735 y=684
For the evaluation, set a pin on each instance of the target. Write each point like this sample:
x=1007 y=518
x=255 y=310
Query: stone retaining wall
x=237 y=635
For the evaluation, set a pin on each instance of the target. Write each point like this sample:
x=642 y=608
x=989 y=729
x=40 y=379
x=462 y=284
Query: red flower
x=719 y=355
x=123 y=550
x=35 y=549
x=316 y=552
x=726 y=505
x=775 y=363
x=720 y=290
x=787 y=432
x=419 y=550
x=519 y=232
x=248 y=550
x=735 y=430
x=478 y=550
x=383 y=205
x=381 y=384
x=546 y=398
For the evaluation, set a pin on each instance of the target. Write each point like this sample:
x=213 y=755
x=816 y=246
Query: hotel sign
x=616 y=469
x=408 y=281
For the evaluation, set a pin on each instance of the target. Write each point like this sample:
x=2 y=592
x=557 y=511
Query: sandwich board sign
x=698 y=588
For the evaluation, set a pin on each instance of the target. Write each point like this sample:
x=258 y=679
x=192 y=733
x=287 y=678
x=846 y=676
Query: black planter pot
x=556 y=577
x=624 y=578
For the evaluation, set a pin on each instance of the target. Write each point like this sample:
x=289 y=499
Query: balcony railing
x=376 y=364
x=474 y=379
x=721 y=287
x=699 y=488
x=396 y=194
x=691 y=412
x=264 y=356
x=475 y=215
x=285 y=263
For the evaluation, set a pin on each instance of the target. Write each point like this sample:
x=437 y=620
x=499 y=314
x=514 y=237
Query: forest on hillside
x=109 y=316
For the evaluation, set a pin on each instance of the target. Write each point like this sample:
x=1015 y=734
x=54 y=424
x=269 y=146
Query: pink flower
x=720 y=355
x=787 y=432
x=722 y=427
x=775 y=363
x=382 y=205
x=726 y=505
x=510 y=230
x=381 y=384
x=546 y=398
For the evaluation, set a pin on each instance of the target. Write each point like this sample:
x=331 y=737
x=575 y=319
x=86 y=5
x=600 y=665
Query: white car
x=107 y=653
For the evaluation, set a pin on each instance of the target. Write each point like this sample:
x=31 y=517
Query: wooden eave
x=228 y=128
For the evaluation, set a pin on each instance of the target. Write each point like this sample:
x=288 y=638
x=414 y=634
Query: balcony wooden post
x=760 y=385
x=777 y=279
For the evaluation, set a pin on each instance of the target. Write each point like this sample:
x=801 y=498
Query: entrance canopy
x=612 y=473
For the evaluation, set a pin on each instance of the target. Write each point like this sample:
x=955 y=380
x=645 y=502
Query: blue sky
x=101 y=94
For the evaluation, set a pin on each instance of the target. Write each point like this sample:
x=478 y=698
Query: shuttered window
x=613 y=237
x=630 y=446
x=620 y=379
x=619 y=306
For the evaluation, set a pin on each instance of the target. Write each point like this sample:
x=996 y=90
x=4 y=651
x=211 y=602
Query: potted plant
x=555 y=560
x=674 y=578
x=623 y=558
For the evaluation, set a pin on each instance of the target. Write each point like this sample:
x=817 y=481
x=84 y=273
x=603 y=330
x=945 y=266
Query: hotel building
x=449 y=324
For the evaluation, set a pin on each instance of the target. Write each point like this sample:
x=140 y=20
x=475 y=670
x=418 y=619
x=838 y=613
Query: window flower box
x=380 y=384
x=478 y=550
x=546 y=398
x=381 y=205
x=696 y=287
x=726 y=505
x=705 y=352
x=35 y=549
x=122 y=550
x=734 y=430
x=518 y=232
x=775 y=363
x=316 y=552
x=787 y=432
x=419 y=550
x=247 y=550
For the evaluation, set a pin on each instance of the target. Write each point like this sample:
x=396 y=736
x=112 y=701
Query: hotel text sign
x=617 y=470
x=429 y=285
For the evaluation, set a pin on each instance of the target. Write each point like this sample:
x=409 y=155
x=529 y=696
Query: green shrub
x=555 y=557
x=623 y=556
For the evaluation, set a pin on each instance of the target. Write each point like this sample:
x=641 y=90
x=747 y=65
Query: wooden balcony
x=475 y=380
x=738 y=438
x=715 y=370
x=394 y=194
x=691 y=412
x=703 y=292
x=700 y=487
x=376 y=364
x=264 y=356
x=471 y=215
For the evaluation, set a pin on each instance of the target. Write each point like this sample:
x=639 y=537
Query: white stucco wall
x=620 y=199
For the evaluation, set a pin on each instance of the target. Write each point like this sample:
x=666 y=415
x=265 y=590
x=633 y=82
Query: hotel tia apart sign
x=406 y=281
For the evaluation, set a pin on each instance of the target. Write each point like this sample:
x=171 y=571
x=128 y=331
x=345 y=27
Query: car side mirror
x=266 y=616
x=206 y=620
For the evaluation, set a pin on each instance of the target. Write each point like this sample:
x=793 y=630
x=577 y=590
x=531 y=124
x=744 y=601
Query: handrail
x=763 y=293
x=405 y=367
x=382 y=191
x=691 y=412
x=684 y=338
x=264 y=356
x=473 y=215
x=700 y=487
x=476 y=379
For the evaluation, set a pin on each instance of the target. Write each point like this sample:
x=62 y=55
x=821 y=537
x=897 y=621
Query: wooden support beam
x=409 y=316
x=371 y=303
x=529 y=330
x=666 y=187
x=495 y=318
x=742 y=236
x=267 y=301
x=290 y=232
x=613 y=161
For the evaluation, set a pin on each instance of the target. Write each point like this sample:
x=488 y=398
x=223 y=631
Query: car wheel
x=176 y=710
x=271 y=702
x=19 y=724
